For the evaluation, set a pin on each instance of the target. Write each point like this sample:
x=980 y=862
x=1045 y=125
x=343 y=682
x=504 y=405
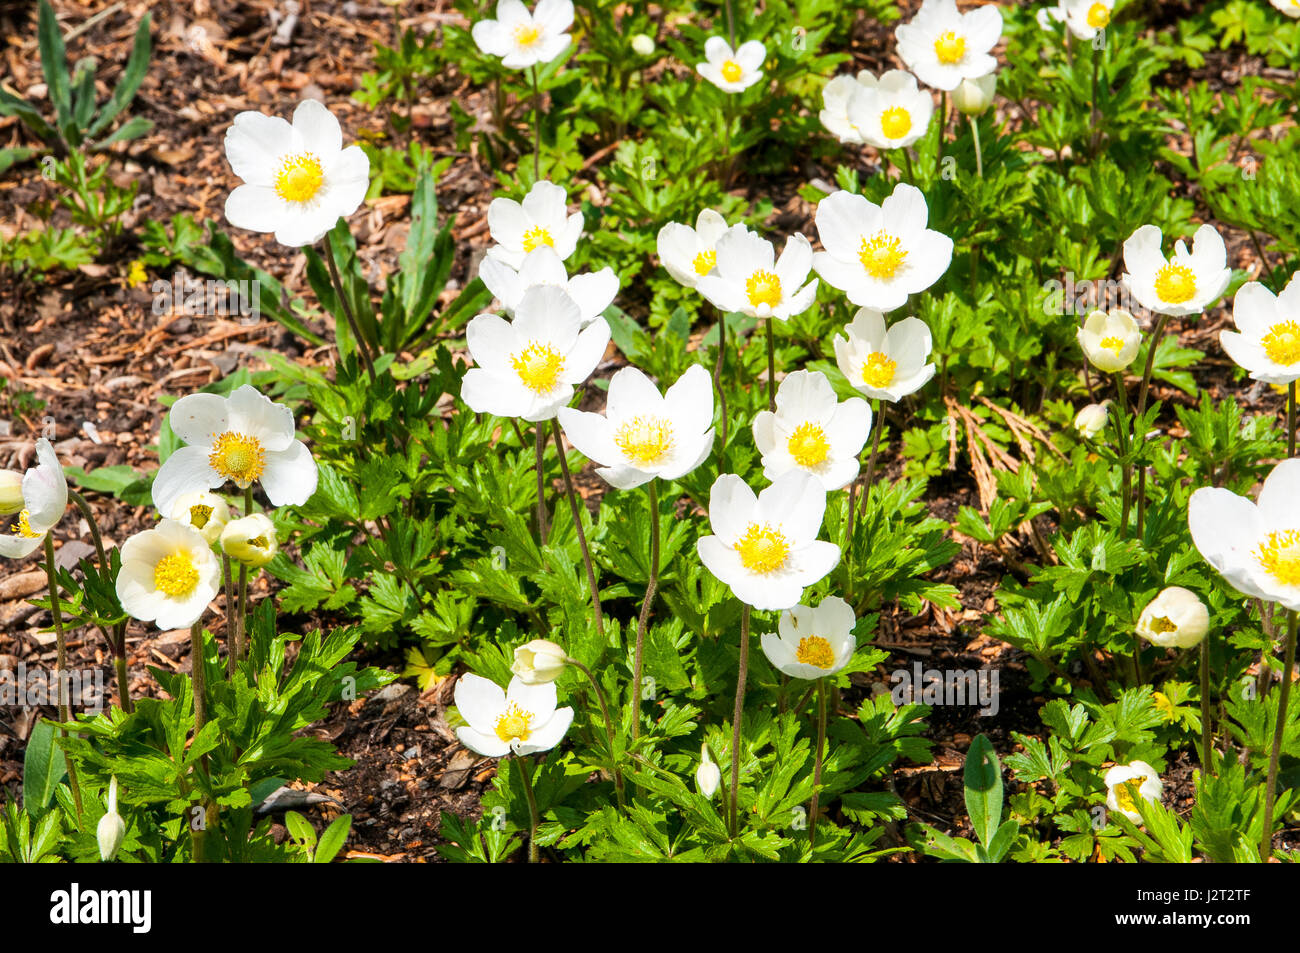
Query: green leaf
x=983 y=781
x=43 y=767
x=332 y=840
x=128 y=83
x=54 y=64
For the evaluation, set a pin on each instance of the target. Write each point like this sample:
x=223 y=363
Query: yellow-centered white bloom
x=11 y=492
x=643 y=435
x=750 y=279
x=540 y=660
x=1084 y=18
x=250 y=541
x=205 y=511
x=523 y=39
x=44 y=500
x=298 y=179
x=1254 y=546
x=943 y=46
x=885 y=364
x=245 y=438
x=1127 y=784
x=765 y=547
x=708 y=775
x=1176 y=618
x=522 y=719
x=169 y=575
x=542 y=219
x=111 y=830
x=890 y=113
x=691 y=253
x=732 y=71
x=1091 y=420
x=1290 y=7
x=1187 y=283
x=528 y=367
x=812 y=643
x=1110 y=340
x=592 y=292
x=812 y=432
x=1267 y=340
x=973 y=97
x=879 y=254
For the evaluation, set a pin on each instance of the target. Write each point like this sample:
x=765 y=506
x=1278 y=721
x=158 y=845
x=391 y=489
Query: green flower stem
x=1143 y=390
x=741 y=675
x=1206 y=734
x=82 y=505
x=1095 y=112
x=771 y=367
x=363 y=347
x=817 y=769
x=1290 y=419
x=525 y=772
x=543 y=524
x=61 y=664
x=232 y=617
x=907 y=164
x=1270 y=791
x=576 y=508
x=979 y=154
x=609 y=727
x=537 y=124
x=879 y=424
x=199 y=676
x=1122 y=431
x=717 y=387
x=123 y=694
x=943 y=127
x=646 y=604
x=731 y=24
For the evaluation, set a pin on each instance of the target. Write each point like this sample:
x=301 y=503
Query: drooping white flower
x=523 y=39
x=1254 y=546
x=1176 y=618
x=205 y=511
x=1187 y=283
x=1110 y=340
x=765 y=547
x=592 y=292
x=749 y=279
x=1091 y=420
x=879 y=254
x=885 y=364
x=111 y=829
x=250 y=541
x=528 y=367
x=1127 y=784
x=973 y=97
x=708 y=775
x=522 y=719
x=538 y=661
x=812 y=432
x=245 y=438
x=541 y=219
x=1267 y=340
x=298 y=179
x=943 y=46
x=169 y=575
x=643 y=435
x=45 y=498
x=891 y=113
x=812 y=643
x=732 y=71
x=1290 y=7
x=688 y=253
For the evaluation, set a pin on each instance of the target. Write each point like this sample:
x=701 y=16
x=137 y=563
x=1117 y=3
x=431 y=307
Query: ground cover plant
x=692 y=431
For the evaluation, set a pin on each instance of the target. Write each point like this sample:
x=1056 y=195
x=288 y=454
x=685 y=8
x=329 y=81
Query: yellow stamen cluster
x=1098 y=16
x=539 y=367
x=199 y=515
x=300 y=178
x=1112 y=343
x=705 y=261
x=536 y=237
x=23 y=527
x=895 y=122
x=1280 y=556
x=950 y=48
x=514 y=724
x=882 y=255
x=238 y=457
x=1175 y=283
x=175 y=575
x=1161 y=624
x=1282 y=343
x=808 y=445
x=645 y=441
x=816 y=651
x=731 y=71
x=878 y=370
x=763 y=287
x=763 y=549
x=526 y=34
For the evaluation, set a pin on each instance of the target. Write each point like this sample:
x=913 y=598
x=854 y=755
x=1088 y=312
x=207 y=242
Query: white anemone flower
x=1267 y=340
x=973 y=97
x=812 y=432
x=250 y=541
x=524 y=39
x=765 y=547
x=879 y=254
x=592 y=292
x=1126 y=784
x=1187 y=283
x=1254 y=546
x=1087 y=18
x=885 y=364
x=838 y=96
x=688 y=253
x=245 y=438
x=812 y=643
x=169 y=575
x=893 y=112
x=522 y=719
x=1290 y=7
x=541 y=219
x=732 y=71
x=1176 y=618
x=45 y=498
x=298 y=179
x=1110 y=340
x=540 y=660
x=749 y=279
x=943 y=46
x=1091 y=420
x=205 y=511
x=528 y=367
x=643 y=435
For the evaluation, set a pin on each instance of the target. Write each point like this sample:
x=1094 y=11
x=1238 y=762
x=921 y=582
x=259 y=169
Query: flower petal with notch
x=750 y=279
x=542 y=219
x=169 y=575
x=812 y=643
x=885 y=364
x=1188 y=282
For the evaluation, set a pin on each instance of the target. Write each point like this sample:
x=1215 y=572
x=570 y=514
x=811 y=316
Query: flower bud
x=973 y=96
x=1176 y=618
x=538 y=662
x=11 y=492
x=112 y=829
x=708 y=775
x=643 y=45
x=206 y=512
x=250 y=541
x=1092 y=419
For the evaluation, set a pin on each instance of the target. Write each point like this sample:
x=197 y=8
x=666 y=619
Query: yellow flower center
x=763 y=287
x=238 y=457
x=645 y=441
x=175 y=575
x=1280 y=556
x=537 y=236
x=1098 y=16
x=1112 y=343
x=199 y=515
x=300 y=178
x=539 y=367
x=705 y=261
x=895 y=122
x=1282 y=343
x=881 y=255
x=814 y=650
x=514 y=724
x=808 y=445
x=878 y=370
x=1175 y=283
x=24 y=527
x=731 y=71
x=526 y=34
x=1127 y=794
x=762 y=549
x=1161 y=624
x=950 y=48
